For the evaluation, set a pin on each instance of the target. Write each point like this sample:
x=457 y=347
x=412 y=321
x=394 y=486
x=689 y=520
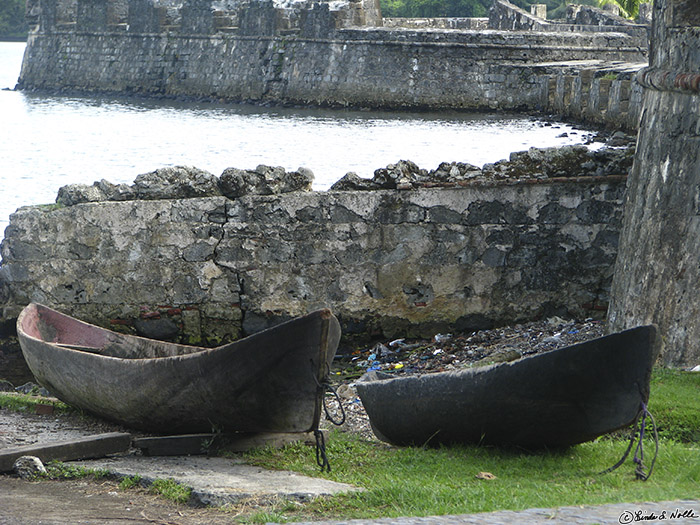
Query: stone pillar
x=259 y=18
x=645 y=14
x=143 y=17
x=41 y=14
x=657 y=271
x=197 y=17
x=92 y=15
x=317 y=22
x=539 y=10
x=117 y=12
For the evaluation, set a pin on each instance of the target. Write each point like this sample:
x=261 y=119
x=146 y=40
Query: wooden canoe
x=554 y=399
x=268 y=382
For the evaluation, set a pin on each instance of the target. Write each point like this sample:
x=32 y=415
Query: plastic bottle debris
x=441 y=338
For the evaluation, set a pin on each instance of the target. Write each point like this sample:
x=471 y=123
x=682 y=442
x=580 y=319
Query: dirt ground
x=93 y=502
x=80 y=501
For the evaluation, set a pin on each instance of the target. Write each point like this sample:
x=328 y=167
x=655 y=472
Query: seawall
x=319 y=61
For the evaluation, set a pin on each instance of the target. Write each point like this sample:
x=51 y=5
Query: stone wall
x=437 y=23
x=606 y=95
x=504 y=15
x=580 y=18
x=657 y=271
x=312 y=56
x=471 y=254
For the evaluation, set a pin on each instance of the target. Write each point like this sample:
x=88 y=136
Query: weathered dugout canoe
x=554 y=399
x=268 y=382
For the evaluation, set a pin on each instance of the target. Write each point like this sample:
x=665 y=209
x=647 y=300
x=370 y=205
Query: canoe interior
x=555 y=399
x=50 y=326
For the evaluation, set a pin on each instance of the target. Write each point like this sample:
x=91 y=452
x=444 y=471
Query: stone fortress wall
x=203 y=261
x=338 y=54
x=657 y=272
x=407 y=259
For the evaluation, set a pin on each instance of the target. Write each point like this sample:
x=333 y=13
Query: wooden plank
x=184 y=445
x=194 y=444
x=96 y=446
x=244 y=442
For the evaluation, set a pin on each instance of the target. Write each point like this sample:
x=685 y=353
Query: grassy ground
x=28 y=403
x=419 y=482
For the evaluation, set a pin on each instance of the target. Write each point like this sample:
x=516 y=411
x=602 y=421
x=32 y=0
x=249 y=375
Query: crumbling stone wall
x=657 y=270
x=461 y=250
x=438 y=23
x=580 y=18
x=504 y=15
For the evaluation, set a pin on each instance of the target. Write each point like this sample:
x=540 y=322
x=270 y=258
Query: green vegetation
x=420 y=482
x=166 y=488
x=675 y=405
x=62 y=471
x=171 y=490
x=28 y=403
x=629 y=8
x=12 y=23
x=130 y=482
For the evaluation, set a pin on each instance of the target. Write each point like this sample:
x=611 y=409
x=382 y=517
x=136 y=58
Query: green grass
x=171 y=490
x=63 y=471
x=28 y=403
x=421 y=482
x=418 y=482
x=130 y=482
x=166 y=488
x=675 y=404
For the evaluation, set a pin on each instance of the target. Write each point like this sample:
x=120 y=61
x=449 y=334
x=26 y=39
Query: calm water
x=49 y=141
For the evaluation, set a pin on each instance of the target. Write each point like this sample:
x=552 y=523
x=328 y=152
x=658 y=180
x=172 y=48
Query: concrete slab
x=218 y=481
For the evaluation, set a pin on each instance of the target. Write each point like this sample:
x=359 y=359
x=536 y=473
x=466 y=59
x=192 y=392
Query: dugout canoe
x=268 y=382
x=554 y=399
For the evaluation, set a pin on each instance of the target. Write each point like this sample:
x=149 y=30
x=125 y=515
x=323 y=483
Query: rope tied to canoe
x=325 y=387
x=640 y=429
x=321 y=456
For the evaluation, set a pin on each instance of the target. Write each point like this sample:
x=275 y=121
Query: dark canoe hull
x=268 y=382
x=554 y=399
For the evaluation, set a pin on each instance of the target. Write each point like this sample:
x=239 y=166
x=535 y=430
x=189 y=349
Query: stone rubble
x=29 y=467
x=535 y=163
x=184 y=182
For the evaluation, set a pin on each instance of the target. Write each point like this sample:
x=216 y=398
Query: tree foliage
x=629 y=8
x=12 y=22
